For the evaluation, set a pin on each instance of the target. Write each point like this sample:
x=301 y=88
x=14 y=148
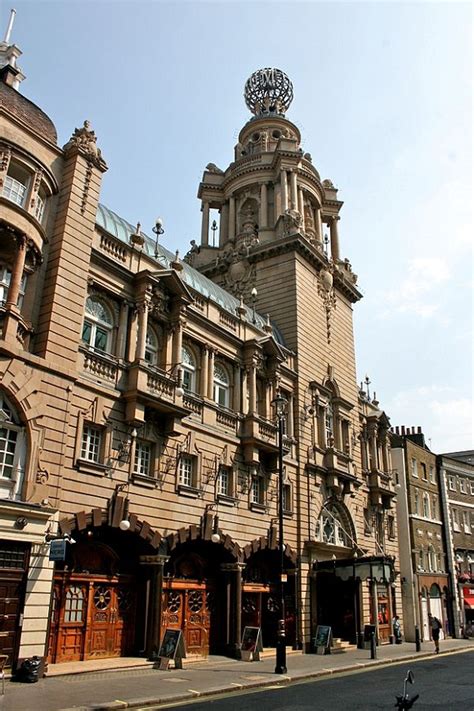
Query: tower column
x=17 y=273
x=317 y=225
x=237 y=388
x=224 y=225
x=263 y=206
x=277 y=193
x=335 y=239
x=294 y=190
x=301 y=206
x=142 y=330
x=205 y=224
x=204 y=370
x=231 y=218
x=284 y=191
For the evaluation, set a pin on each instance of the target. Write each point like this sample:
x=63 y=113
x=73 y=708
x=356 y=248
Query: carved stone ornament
x=85 y=140
x=160 y=303
x=190 y=256
x=326 y=291
x=212 y=168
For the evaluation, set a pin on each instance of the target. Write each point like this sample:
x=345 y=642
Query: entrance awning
x=379 y=568
x=468 y=594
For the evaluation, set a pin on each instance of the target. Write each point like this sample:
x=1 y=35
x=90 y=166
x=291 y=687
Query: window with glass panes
x=432 y=475
x=143 y=458
x=287 y=497
x=5 y=278
x=91 y=443
x=14 y=190
x=223 y=482
x=97 y=328
x=426 y=506
x=188 y=369
x=221 y=386
x=257 y=490
x=329 y=425
x=39 y=208
x=151 y=347
x=8 y=439
x=185 y=471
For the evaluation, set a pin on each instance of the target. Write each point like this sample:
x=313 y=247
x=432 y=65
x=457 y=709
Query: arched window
x=221 y=386
x=12 y=450
x=330 y=528
x=151 y=347
x=329 y=425
x=98 y=323
x=188 y=367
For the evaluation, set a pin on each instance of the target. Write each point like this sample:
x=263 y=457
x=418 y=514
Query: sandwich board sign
x=251 y=644
x=172 y=648
x=322 y=639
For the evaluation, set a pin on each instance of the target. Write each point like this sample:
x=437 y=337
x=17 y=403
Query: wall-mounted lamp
x=254 y=294
x=215 y=536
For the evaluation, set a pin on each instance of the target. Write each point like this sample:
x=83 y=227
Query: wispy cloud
x=435 y=408
x=419 y=292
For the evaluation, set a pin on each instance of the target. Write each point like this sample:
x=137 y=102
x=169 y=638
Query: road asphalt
x=137 y=688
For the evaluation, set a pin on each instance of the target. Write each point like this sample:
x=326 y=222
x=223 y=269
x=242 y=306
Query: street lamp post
x=280 y=668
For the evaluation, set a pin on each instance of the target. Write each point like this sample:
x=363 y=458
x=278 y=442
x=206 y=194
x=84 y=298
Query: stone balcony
x=257 y=433
x=157 y=390
x=381 y=488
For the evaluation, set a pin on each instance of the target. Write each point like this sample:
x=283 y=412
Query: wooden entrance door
x=13 y=572
x=93 y=618
x=189 y=609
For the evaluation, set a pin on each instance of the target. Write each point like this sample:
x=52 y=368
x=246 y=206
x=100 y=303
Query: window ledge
x=190 y=491
x=147 y=481
x=288 y=514
x=258 y=508
x=226 y=500
x=96 y=468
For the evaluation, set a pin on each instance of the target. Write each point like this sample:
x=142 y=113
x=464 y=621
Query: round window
x=255 y=137
x=276 y=133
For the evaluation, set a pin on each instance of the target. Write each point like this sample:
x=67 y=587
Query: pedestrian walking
x=436 y=627
x=397 y=630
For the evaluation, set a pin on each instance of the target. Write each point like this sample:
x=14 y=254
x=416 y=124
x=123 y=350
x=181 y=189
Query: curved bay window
x=188 y=369
x=16 y=184
x=221 y=386
x=98 y=324
x=330 y=528
x=12 y=451
x=5 y=278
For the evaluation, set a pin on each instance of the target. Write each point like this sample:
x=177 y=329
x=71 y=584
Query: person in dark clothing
x=435 y=626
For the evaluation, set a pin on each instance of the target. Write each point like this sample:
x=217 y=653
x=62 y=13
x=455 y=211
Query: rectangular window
x=434 y=507
x=432 y=475
x=424 y=474
x=472 y=488
x=426 y=506
x=223 y=484
x=452 y=483
x=455 y=520
x=257 y=490
x=416 y=501
x=39 y=208
x=462 y=486
x=467 y=525
x=391 y=527
x=287 y=507
x=186 y=471
x=414 y=468
x=143 y=458
x=421 y=560
x=8 y=438
x=91 y=443
x=5 y=278
x=14 y=190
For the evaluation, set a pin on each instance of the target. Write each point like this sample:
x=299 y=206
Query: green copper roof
x=120 y=228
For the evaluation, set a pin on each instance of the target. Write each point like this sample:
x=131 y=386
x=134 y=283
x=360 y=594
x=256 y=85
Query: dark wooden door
x=72 y=622
x=13 y=573
x=189 y=609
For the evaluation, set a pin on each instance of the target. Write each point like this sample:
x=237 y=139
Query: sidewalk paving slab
x=143 y=687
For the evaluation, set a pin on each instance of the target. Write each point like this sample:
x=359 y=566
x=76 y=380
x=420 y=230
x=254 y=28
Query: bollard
x=373 y=648
x=417 y=639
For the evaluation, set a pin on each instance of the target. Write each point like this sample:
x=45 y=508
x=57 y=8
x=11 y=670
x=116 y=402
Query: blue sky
x=383 y=97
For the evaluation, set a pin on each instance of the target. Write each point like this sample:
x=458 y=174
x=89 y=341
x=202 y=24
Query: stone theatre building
x=137 y=415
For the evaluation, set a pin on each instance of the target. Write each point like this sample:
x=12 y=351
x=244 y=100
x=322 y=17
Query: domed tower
x=278 y=247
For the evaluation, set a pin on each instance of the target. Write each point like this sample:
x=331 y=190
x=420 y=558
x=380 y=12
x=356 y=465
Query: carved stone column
x=17 y=273
x=372 y=431
x=142 y=329
x=231 y=218
x=318 y=228
x=210 y=374
x=290 y=418
x=284 y=191
x=237 y=388
x=153 y=623
x=244 y=392
x=224 y=224
x=263 y=206
x=252 y=388
x=205 y=224
x=294 y=190
x=301 y=207
x=177 y=340
x=335 y=239
x=277 y=199
x=122 y=330
x=204 y=370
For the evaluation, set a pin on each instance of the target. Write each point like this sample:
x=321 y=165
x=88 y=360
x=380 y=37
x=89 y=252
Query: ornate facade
x=136 y=401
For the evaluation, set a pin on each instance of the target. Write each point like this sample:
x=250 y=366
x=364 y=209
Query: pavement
x=138 y=687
